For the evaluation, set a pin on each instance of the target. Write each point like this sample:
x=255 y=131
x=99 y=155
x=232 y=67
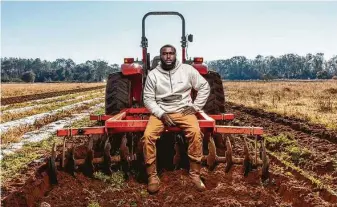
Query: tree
x=331 y=66
x=323 y=74
x=28 y=76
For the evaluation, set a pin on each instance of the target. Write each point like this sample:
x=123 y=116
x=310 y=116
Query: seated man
x=167 y=95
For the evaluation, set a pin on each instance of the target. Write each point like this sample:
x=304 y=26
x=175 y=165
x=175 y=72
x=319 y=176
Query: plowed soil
x=21 y=99
x=322 y=160
x=286 y=187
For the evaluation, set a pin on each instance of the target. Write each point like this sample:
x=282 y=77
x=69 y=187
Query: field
x=313 y=101
x=299 y=121
x=12 y=90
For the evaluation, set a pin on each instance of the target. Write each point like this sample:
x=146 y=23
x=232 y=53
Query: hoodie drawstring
x=170 y=82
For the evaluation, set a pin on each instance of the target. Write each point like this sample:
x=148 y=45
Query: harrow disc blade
x=71 y=166
x=211 y=158
x=107 y=158
x=89 y=165
x=229 y=155
x=247 y=163
x=52 y=172
x=265 y=163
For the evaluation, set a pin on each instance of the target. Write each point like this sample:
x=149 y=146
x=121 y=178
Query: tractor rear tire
x=215 y=105
x=216 y=100
x=117 y=93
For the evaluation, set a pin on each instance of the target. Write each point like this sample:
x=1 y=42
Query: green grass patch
x=280 y=141
x=116 y=180
x=100 y=111
x=314 y=180
x=288 y=148
x=12 y=165
x=93 y=204
x=298 y=154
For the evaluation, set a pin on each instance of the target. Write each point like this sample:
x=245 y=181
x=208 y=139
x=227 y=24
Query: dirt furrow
x=297 y=124
x=286 y=187
x=20 y=99
x=320 y=159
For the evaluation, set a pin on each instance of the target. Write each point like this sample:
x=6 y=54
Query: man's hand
x=167 y=120
x=188 y=111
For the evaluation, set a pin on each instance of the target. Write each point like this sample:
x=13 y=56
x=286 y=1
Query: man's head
x=168 y=57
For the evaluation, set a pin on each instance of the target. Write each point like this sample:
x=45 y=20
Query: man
x=167 y=95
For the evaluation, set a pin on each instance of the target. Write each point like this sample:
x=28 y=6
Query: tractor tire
x=117 y=93
x=216 y=100
x=215 y=105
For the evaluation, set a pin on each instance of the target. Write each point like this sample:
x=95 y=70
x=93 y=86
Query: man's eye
x=169 y=53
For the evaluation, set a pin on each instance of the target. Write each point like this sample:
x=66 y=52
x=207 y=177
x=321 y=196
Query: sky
x=112 y=30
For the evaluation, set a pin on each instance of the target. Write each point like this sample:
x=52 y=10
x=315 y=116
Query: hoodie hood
x=172 y=71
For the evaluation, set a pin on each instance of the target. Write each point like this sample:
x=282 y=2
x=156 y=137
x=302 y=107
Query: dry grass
x=48 y=101
x=315 y=102
x=15 y=134
x=13 y=90
x=6 y=117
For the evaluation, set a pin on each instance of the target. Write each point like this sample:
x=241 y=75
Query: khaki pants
x=189 y=124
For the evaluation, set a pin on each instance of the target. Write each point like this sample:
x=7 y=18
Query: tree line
x=60 y=70
x=288 y=66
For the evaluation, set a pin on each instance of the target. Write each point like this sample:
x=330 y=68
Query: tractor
x=116 y=139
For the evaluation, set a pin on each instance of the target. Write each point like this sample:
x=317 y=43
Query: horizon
x=107 y=31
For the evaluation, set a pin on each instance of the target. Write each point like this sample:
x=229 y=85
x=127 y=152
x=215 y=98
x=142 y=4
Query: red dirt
x=223 y=189
x=323 y=152
x=21 y=99
x=286 y=187
x=293 y=122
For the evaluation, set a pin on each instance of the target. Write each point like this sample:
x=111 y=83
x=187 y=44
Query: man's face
x=168 y=56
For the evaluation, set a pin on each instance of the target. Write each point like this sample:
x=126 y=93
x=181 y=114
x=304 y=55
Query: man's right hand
x=167 y=120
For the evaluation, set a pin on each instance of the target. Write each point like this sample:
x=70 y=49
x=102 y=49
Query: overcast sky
x=112 y=30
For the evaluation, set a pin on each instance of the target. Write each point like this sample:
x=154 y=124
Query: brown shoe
x=153 y=179
x=195 y=175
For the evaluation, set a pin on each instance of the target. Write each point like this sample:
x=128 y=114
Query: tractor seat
x=155 y=62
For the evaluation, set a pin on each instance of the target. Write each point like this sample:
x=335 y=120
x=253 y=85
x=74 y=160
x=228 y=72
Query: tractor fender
x=131 y=69
x=201 y=68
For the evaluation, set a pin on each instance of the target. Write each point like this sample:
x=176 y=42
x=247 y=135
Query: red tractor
x=117 y=140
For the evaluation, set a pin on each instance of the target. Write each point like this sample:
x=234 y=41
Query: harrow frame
x=132 y=120
x=135 y=120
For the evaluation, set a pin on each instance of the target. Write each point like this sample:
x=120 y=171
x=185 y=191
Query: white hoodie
x=170 y=91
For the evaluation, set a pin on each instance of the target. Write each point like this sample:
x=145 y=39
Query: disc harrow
x=117 y=143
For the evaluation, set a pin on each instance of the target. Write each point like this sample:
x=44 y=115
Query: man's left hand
x=188 y=111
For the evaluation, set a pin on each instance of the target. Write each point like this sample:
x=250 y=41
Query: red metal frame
x=201 y=68
x=136 y=119
x=131 y=69
x=134 y=111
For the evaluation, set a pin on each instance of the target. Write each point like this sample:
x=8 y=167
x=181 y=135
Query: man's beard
x=168 y=67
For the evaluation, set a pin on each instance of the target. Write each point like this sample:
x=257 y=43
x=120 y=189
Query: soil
x=21 y=99
x=285 y=186
x=323 y=153
x=223 y=189
x=295 y=123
